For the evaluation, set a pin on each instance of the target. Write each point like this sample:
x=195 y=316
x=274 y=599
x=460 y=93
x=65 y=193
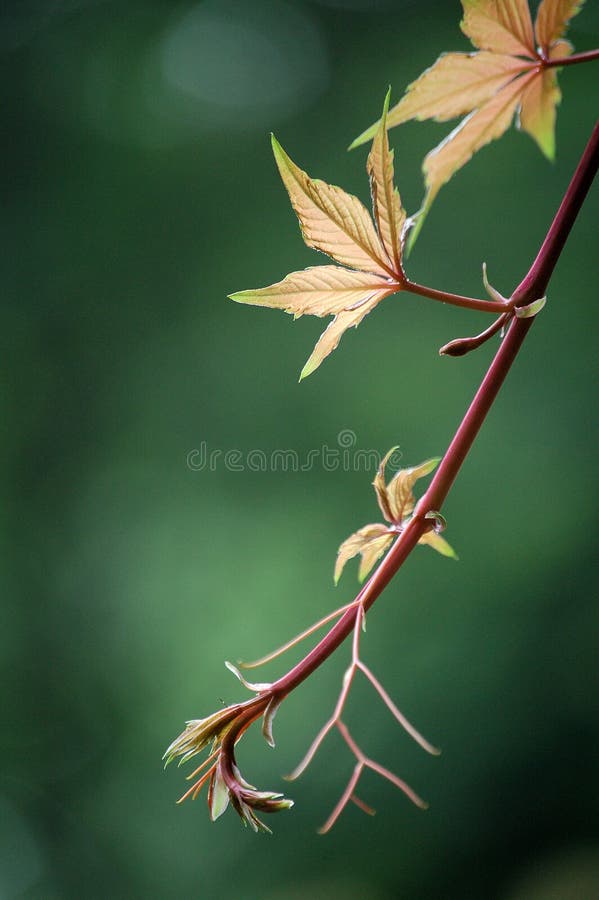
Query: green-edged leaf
x=502 y=26
x=553 y=18
x=319 y=291
x=388 y=213
x=439 y=544
x=331 y=220
x=218 y=795
x=370 y=542
x=538 y=111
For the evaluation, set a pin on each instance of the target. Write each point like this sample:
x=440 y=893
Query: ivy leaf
x=338 y=224
x=396 y=501
x=508 y=76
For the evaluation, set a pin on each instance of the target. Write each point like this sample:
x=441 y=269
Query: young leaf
x=538 y=111
x=399 y=490
x=506 y=76
x=370 y=542
x=501 y=26
x=439 y=544
x=485 y=124
x=318 y=291
x=397 y=503
x=331 y=220
x=337 y=223
x=388 y=212
x=329 y=339
x=553 y=18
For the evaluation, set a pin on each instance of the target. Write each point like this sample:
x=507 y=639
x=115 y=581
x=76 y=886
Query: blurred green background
x=139 y=190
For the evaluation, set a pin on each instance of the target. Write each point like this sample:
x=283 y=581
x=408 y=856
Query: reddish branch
x=226 y=727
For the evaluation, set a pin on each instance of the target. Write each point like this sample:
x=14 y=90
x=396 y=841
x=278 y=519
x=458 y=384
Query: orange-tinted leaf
x=399 y=490
x=439 y=544
x=372 y=552
x=502 y=26
x=370 y=542
x=331 y=220
x=553 y=18
x=318 y=291
x=538 y=110
x=479 y=128
x=387 y=209
x=456 y=84
x=329 y=339
x=380 y=486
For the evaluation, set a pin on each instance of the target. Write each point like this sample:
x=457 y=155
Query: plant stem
x=454 y=299
x=530 y=288
x=571 y=60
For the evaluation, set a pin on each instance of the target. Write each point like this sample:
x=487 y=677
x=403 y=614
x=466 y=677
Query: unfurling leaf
x=399 y=489
x=338 y=224
x=507 y=75
x=370 y=542
x=397 y=503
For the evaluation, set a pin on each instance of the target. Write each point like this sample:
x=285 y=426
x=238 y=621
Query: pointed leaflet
x=370 y=542
x=486 y=124
x=439 y=544
x=331 y=220
x=329 y=339
x=338 y=224
x=502 y=26
x=538 y=111
x=317 y=291
x=388 y=213
x=380 y=486
x=553 y=18
x=454 y=85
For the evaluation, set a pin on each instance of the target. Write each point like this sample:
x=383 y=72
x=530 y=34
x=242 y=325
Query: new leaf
x=338 y=224
x=396 y=501
x=507 y=76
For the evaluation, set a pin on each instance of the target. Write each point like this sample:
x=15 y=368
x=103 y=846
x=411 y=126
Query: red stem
x=530 y=288
x=454 y=299
x=571 y=60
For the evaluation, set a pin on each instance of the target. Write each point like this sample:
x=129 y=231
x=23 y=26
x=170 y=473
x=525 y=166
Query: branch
x=223 y=729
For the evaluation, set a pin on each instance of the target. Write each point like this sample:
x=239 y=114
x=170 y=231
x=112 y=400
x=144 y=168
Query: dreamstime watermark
x=344 y=457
